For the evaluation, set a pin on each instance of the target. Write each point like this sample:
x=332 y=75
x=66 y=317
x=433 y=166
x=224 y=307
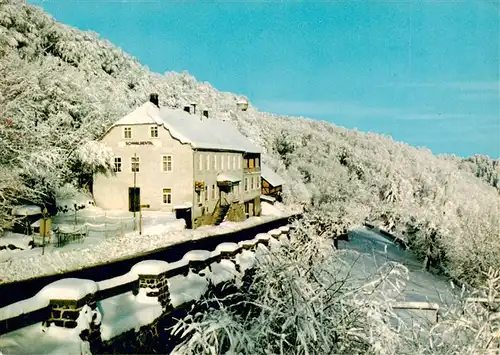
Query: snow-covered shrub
x=309 y=298
x=472 y=325
x=303 y=300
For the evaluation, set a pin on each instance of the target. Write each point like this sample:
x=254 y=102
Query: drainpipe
x=135 y=187
x=193 y=198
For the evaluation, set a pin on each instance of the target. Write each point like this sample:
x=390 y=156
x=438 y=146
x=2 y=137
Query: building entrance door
x=134 y=199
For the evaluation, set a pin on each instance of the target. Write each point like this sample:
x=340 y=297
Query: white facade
x=173 y=150
x=112 y=191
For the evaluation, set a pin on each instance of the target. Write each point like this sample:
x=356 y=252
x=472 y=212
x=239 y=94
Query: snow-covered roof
x=206 y=133
x=23 y=210
x=181 y=206
x=147 y=113
x=270 y=176
x=228 y=177
x=267 y=198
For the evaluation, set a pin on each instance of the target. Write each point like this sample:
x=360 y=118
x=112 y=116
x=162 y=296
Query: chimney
x=187 y=109
x=205 y=113
x=153 y=98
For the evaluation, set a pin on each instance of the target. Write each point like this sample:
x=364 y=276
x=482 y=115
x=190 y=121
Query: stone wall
x=205 y=220
x=236 y=213
x=64 y=313
x=257 y=206
x=73 y=303
x=159 y=286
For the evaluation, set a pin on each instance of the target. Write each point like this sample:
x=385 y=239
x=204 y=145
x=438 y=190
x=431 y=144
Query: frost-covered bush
x=302 y=300
x=308 y=298
x=471 y=326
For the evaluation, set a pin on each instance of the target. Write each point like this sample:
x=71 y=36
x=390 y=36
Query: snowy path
x=422 y=286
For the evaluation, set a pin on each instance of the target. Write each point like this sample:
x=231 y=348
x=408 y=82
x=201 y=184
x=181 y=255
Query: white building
x=173 y=160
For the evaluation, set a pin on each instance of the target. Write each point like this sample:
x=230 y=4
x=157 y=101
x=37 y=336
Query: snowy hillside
x=62 y=87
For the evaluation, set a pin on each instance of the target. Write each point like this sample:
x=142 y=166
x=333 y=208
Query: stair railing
x=214 y=213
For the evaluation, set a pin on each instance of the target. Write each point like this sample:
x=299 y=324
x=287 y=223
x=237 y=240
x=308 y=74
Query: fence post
x=66 y=311
x=152 y=281
x=75 y=213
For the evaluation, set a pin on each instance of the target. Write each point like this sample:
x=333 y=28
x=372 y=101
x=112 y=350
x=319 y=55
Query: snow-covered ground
x=52 y=340
x=124 y=312
x=95 y=250
x=421 y=286
x=97 y=226
x=276 y=209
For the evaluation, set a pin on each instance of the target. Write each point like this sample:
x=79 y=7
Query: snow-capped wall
x=101 y=311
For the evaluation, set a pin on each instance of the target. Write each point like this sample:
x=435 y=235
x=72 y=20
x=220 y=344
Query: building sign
x=139 y=143
x=155 y=143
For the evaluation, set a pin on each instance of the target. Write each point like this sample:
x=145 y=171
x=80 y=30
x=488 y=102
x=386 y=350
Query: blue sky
x=424 y=72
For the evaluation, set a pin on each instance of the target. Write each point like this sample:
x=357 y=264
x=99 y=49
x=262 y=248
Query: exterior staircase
x=222 y=214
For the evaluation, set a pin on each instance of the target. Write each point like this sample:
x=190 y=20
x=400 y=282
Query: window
x=213 y=192
x=208 y=162
x=234 y=162
x=154 y=132
x=200 y=162
x=127 y=132
x=257 y=162
x=221 y=162
x=246 y=184
x=251 y=183
x=258 y=182
x=118 y=164
x=166 y=163
x=246 y=163
x=134 y=164
x=215 y=162
x=206 y=192
x=251 y=163
x=167 y=196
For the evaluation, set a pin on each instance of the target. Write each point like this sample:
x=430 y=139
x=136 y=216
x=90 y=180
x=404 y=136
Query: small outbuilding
x=27 y=217
x=271 y=183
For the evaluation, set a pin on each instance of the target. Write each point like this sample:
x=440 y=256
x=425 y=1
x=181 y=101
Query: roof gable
x=206 y=133
x=270 y=176
x=147 y=113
